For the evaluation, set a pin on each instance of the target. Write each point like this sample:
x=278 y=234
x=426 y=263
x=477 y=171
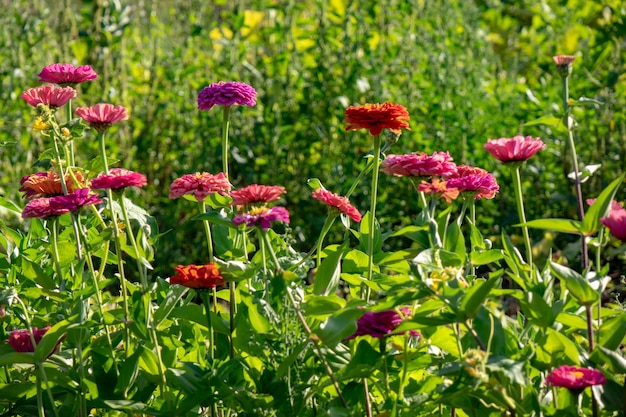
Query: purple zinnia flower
x=119 y=178
x=263 y=217
x=226 y=94
x=75 y=200
x=66 y=74
x=473 y=180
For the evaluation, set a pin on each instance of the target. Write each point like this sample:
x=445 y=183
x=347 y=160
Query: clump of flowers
x=103 y=115
x=575 y=378
x=473 y=180
x=262 y=217
x=440 y=189
x=49 y=95
x=378 y=324
x=376 y=117
x=515 y=149
x=66 y=74
x=338 y=202
x=256 y=193
x=198 y=276
x=419 y=165
x=226 y=94
x=200 y=185
x=20 y=340
x=48 y=184
x=118 y=178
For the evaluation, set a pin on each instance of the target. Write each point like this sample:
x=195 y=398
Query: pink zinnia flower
x=21 y=342
x=75 y=200
x=419 y=164
x=378 y=324
x=49 y=95
x=262 y=217
x=200 y=185
x=563 y=60
x=226 y=94
x=256 y=193
x=515 y=149
x=66 y=74
x=575 y=378
x=616 y=221
x=473 y=180
x=101 y=116
x=41 y=209
x=338 y=202
x=119 y=178
x=440 y=189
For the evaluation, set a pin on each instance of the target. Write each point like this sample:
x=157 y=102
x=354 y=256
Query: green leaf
x=418 y=234
x=327 y=275
x=476 y=295
x=599 y=209
x=214 y=217
x=536 y=309
x=149 y=363
x=365 y=231
x=16 y=357
x=339 y=326
x=615 y=359
x=129 y=369
x=613 y=332
x=171 y=300
x=454 y=240
x=557 y=225
x=10 y=205
x=485 y=257
x=577 y=285
x=314 y=183
x=50 y=340
x=552 y=121
x=323 y=305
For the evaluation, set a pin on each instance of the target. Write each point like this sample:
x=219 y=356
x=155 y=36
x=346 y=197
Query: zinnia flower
x=119 y=178
x=616 y=221
x=575 y=378
x=473 y=180
x=440 y=189
x=564 y=64
x=378 y=324
x=515 y=149
x=263 y=217
x=66 y=74
x=21 y=342
x=338 y=202
x=257 y=193
x=48 y=184
x=198 y=276
x=200 y=185
x=376 y=117
x=41 y=209
x=101 y=116
x=49 y=95
x=74 y=201
x=226 y=94
x=419 y=165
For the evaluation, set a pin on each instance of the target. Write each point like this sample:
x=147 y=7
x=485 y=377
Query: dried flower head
x=376 y=117
x=66 y=74
x=226 y=94
x=575 y=378
x=419 y=165
x=515 y=149
x=200 y=185
x=101 y=116
x=338 y=202
x=198 y=276
x=256 y=193
x=119 y=178
x=49 y=95
x=473 y=180
x=262 y=217
x=48 y=184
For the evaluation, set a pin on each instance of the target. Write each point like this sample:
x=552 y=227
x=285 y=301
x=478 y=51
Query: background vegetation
x=466 y=70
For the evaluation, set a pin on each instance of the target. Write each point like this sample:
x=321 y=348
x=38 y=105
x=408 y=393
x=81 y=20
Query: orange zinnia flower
x=377 y=117
x=198 y=276
x=48 y=184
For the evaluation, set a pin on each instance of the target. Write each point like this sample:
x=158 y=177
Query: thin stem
x=328 y=223
x=207 y=231
x=225 y=126
x=54 y=236
x=368 y=404
x=589 y=316
x=103 y=152
x=40 y=409
x=475 y=336
x=232 y=301
x=204 y=295
x=519 y=199
x=71 y=144
x=365 y=291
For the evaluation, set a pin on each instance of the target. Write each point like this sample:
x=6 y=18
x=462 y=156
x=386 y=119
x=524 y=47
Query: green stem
x=207 y=232
x=232 y=306
x=40 y=409
x=225 y=127
x=54 y=236
x=365 y=291
x=366 y=170
x=519 y=200
x=71 y=142
x=328 y=223
x=204 y=295
x=103 y=152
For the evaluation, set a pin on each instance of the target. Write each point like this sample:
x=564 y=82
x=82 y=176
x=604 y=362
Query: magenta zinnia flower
x=21 y=342
x=50 y=95
x=338 y=202
x=75 y=200
x=616 y=221
x=256 y=193
x=378 y=324
x=41 y=209
x=101 y=116
x=262 y=217
x=200 y=185
x=119 y=178
x=515 y=149
x=66 y=74
x=226 y=94
x=473 y=180
x=575 y=378
x=419 y=164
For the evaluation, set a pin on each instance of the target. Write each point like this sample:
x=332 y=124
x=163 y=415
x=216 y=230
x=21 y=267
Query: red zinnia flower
x=376 y=117
x=439 y=188
x=575 y=378
x=262 y=217
x=378 y=324
x=419 y=164
x=48 y=184
x=198 y=276
x=515 y=149
x=338 y=202
x=473 y=180
x=119 y=178
x=226 y=94
x=257 y=193
x=50 y=95
x=101 y=116
x=21 y=342
x=66 y=74
x=200 y=185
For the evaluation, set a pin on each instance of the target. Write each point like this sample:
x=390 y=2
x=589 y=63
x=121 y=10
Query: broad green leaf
x=613 y=332
x=50 y=340
x=557 y=225
x=615 y=358
x=599 y=209
x=536 y=309
x=339 y=326
x=17 y=357
x=552 y=121
x=171 y=300
x=454 y=240
x=476 y=295
x=485 y=257
x=418 y=234
x=322 y=305
x=214 y=217
x=314 y=183
x=365 y=231
x=148 y=362
x=129 y=369
x=577 y=285
x=327 y=275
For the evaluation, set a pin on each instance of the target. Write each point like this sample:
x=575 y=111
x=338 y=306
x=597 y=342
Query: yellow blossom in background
x=39 y=124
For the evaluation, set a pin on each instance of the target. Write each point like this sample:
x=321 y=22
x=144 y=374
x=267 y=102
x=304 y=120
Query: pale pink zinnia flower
x=49 y=95
x=262 y=217
x=440 y=189
x=418 y=164
x=256 y=193
x=338 y=202
x=575 y=378
x=119 y=178
x=74 y=201
x=473 y=180
x=66 y=74
x=200 y=185
x=226 y=94
x=101 y=116
x=515 y=149
x=41 y=209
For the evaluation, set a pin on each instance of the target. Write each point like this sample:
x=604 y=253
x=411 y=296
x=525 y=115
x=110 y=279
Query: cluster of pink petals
x=338 y=202
x=616 y=220
x=378 y=324
x=575 y=378
x=563 y=60
x=262 y=217
x=474 y=180
x=59 y=205
x=200 y=185
x=49 y=95
x=419 y=164
x=257 y=193
x=20 y=339
x=226 y=94
x=48 y=184
x=101 y=116
x=66 y=74
x=440 y=189
x=119 y=178
x=515 y=149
